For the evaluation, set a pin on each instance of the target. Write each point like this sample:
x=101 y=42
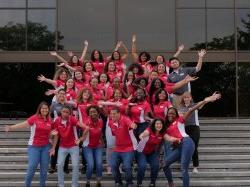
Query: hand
x=118 y=104
x=133 y=38
x=70 y=53
x=188 y=78
x=133 y=126
x=181 y=47
x=86 y=43
x=41 y=78
x=53 y=53
x=129 y=82
x=119 y=43
x=95 y=74
x=54 y=132
x=78 y=141
x=50 y=92
x=201 y=53
x=61 y=64
x=51 y=152
x=7 y=128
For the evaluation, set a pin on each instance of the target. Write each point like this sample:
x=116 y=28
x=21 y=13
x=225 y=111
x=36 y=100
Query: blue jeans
x=184 y=153
x=93 y=158
x=37 y=155
x=127 y=159
x=62 y=153
x=142 y=160
x=167 y=149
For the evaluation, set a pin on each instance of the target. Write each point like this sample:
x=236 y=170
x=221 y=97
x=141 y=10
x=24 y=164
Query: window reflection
x=244 y=89
x=42 y=3
x=13 y=3
x=153 y=23
x=191 y=3
x=243 y=32
x=191 y=27
x=22 y=100
x=216 y=76
x=12 y=30
x=220 y=29
x=87 y=19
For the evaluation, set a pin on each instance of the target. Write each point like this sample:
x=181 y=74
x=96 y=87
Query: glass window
x=220 y=29
x=244 y=89
x=42 y=3
x=91 y=20
x=41 y=29
x=153 y=23
x=216 y=76
x=191 y=3
x=243 y=25
x=12 y=30
x=220 y=3
x=13 y=3
x=20 y=92
x=191 y=28
x=242 y=3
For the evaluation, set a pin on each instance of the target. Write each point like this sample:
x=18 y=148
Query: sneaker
x=87 y=184
x=152 y=185
x=118 y=184
x=195 y=170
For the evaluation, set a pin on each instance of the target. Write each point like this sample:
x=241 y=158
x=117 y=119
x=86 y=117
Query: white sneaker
x=195 y=170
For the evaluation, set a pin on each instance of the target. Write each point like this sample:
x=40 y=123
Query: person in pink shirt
x=184 y=147
x=79 y=80
x=39 y=148
x=98 y=61
x=89 y=71
x=111 y=70
x=140 y=111
x=148 y=151
x=125 y=144
x=93 y=143
x=161 y=104
x=66 y=127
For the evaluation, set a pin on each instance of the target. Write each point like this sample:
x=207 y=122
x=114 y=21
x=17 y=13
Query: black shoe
x=139 y=185
x=66 y=171
x=52 y=170
x=118 y=184
x=87 y=184
x=83 y=170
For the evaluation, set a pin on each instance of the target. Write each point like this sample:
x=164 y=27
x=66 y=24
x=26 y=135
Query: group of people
x=133 y=109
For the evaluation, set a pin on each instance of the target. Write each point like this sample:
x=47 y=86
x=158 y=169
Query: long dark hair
x=152 y=88
x=112 y=55
x=157 y=93
x=152 y=125
x=136 y=65
x=148 y=57
x=93 y=56
x=134 y=99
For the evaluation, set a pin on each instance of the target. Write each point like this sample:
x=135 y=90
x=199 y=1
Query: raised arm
x=42 y=78
x=84 y=52
x=180 y=49
x=201 y=55
x=209 y=99
x=134 y=53
x=21 y=125
x=125 y=55
x=54 y=53
x=67 y=66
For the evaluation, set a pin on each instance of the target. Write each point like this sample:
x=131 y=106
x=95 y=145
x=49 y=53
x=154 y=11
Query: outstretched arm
x=125 y=55
x=84 y=52
x=21 y=125
x=183 y=82
x=134 y=53
x=178 y=52
x=209 y=99
x=54 y=53
x=144 y=134
x=42 y=78
x=201 y=54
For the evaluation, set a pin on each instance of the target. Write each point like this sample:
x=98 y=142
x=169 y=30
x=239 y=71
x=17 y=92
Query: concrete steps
x=224 y=157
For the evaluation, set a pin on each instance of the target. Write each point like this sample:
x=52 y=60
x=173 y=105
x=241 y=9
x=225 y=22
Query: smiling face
x=85 y=95
x=78 y=75
x=158 y=125
x=157 y=83
x=171 y=115
x=161 y=68
x=117 y=94
x=61 y=96
x=75 y=59
x=94 y=82
x=65 y=113
x=140 y=95
x=70 y=83
x=143 y=57
x=96 y=55
x=116 y=55
x=88 y=67
x=93 y=113
x=159 y=59
x=103 y=78
x=175 y=64
x=111 y=66
x=115 y=115
x=44 y=110
x=63 y=76
x=162 y=95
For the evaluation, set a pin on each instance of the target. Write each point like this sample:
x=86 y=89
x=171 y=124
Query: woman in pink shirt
x=39 y=149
